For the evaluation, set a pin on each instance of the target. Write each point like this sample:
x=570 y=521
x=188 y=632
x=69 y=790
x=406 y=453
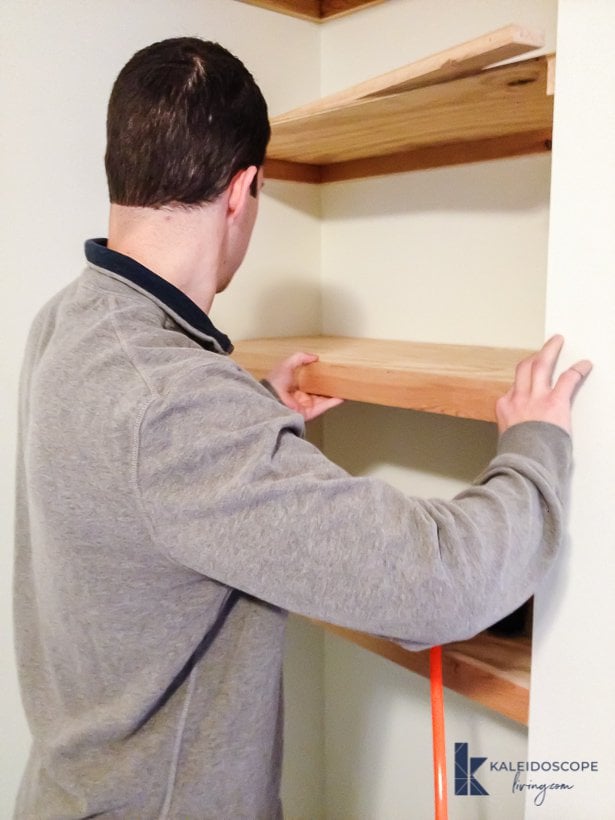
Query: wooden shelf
x=455 y=380
x=446 y=109
x=490 y=670
x=315 y=10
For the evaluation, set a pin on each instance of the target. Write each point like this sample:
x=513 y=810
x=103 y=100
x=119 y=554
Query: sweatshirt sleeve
x=231 y=490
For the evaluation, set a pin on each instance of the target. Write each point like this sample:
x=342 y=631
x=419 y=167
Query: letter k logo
x=465 y=782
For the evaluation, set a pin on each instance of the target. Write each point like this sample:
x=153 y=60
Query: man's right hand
x=532 y=398
x=284 y=380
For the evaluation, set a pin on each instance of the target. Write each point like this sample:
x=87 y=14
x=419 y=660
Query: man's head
x=184 y=116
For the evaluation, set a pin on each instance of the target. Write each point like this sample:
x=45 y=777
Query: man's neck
x=182 y=245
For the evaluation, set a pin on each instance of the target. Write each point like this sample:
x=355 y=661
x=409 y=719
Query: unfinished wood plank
x=454 y=380
x=459 y=61
x=496 y=102
x=489 y=670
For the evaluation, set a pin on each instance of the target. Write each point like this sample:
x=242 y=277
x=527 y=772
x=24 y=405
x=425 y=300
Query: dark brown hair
x=184 y=116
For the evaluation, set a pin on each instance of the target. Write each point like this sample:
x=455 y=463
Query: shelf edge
x=314 y=11
x=478 y=681
x=438 y=156
x=455 y=380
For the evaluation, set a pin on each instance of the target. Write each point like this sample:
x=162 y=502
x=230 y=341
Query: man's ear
x=239 y=190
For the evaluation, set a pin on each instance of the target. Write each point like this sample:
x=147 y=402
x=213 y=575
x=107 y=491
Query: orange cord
x=437 y=723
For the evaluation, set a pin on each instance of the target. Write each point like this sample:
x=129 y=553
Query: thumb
x=301 y=358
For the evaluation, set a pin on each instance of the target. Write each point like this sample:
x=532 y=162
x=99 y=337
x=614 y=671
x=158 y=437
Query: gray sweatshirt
x=170 y=513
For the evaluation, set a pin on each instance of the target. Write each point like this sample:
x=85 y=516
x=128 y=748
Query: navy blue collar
x=186 y=312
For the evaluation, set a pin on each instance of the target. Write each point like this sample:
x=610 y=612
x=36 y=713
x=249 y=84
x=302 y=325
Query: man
x=170 y=512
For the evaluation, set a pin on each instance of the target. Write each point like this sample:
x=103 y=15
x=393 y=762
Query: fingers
x=570 y=380
x=583 y=368
x=301 y=358
x=535 y=373
x=532 y=398
x=319 y=406
x=283 y=378
x=523 y=376
x=285 y=381
x=545 y=361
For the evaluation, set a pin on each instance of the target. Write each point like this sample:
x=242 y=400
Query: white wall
x=572 y=711
x=445 y=255
x=58 y=62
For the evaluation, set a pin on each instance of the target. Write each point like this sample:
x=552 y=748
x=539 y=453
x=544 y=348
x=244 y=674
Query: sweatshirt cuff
x=540 y=441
